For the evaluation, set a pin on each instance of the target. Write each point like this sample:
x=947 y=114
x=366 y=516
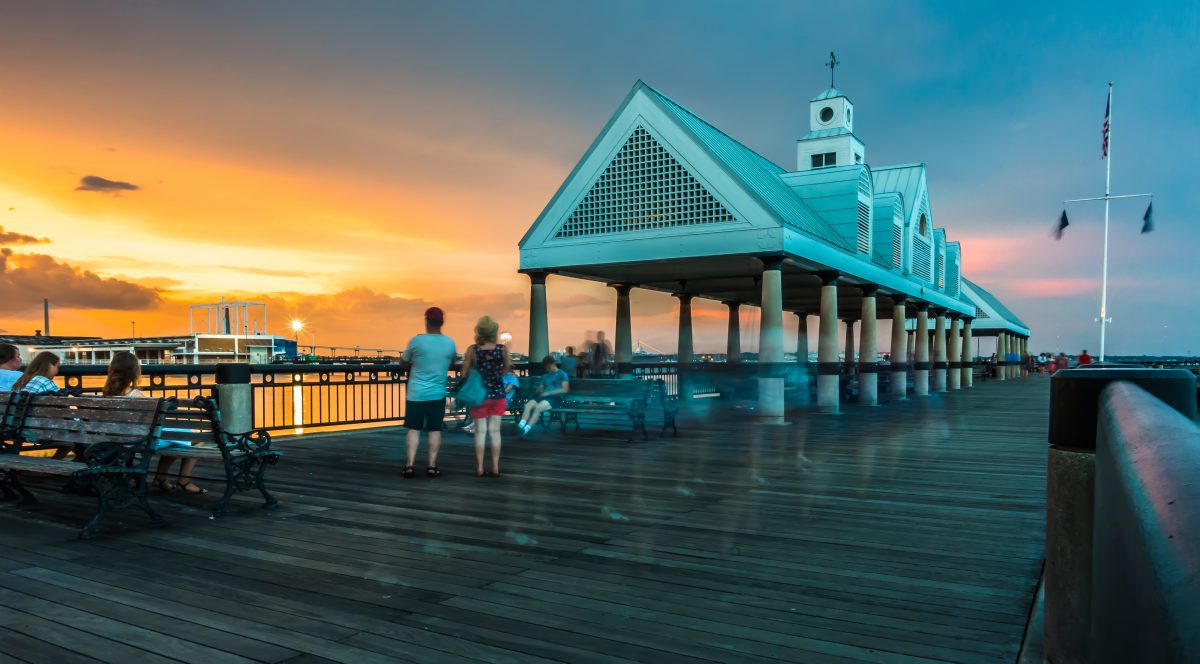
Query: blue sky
x=468 y=115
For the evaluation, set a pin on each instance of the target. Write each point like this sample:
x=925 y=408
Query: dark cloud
x=12 y=237
x=97 y=183
x=27 y=278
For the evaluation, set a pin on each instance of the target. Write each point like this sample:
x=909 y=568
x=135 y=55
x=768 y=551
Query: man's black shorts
x=425 y=415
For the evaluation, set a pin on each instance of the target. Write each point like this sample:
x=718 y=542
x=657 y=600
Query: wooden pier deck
x=908 y=532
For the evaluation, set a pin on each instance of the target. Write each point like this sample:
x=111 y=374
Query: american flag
x=1107 y=108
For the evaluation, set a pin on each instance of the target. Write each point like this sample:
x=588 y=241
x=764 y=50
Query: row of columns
x=1007 y=345
x=951 y=362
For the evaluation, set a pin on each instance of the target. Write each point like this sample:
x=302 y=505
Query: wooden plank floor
x=903 y=533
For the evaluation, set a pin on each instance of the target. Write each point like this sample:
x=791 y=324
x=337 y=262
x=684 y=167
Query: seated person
x=39 y=375
x=10 y=367
x=123 y=374
x=511 y=385
x=548 y=394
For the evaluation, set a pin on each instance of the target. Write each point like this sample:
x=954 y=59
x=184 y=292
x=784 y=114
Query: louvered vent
x=952 y=278
x=939 y=268
x=897 y=246
x=864 y=228
x=643 y=188
x=864 y=183
x=920 y=257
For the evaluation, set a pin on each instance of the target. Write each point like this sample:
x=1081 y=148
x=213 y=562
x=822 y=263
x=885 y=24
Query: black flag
x=1062 y=225
x=1148 y=219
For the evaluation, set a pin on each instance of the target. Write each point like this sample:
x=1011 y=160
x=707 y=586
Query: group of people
x=594 y=360
x=121 y=380
x=429 y=357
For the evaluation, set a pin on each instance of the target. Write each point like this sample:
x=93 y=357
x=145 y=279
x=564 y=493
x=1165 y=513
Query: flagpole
x=1104 y=270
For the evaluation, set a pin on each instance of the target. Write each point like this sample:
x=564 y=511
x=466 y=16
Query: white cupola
x=830 y=140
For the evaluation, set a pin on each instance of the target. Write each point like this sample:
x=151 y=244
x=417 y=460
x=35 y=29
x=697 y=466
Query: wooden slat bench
x=115 y=437
x=626 y=398
x=244 y=456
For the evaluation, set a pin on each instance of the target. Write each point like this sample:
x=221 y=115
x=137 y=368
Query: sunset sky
x=351 y=163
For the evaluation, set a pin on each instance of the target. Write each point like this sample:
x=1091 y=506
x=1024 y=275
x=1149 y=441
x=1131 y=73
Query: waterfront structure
x=665 y=201
x=188 y=349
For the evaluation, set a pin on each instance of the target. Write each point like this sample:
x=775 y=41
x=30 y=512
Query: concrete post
x=921 y=358
x=1001 y=364
x=968 y=356
x=849 y=346
x=939 y=352
x=733 y=342
x=953 y=354
x=234 y=397
x=828 y=367
x=899 y=382
x=683 y=353
x=802 y=383
x=539 y=329
x=623 y=352
x=868 y=366
x=772 y=371
x=1070 y=494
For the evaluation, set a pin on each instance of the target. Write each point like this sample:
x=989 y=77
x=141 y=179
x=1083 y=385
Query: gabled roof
x=904 y=179
x=829 y=93
x=759 y=174
x=994 y=303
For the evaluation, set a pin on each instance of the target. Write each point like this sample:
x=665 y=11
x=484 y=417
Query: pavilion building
x=665 y=201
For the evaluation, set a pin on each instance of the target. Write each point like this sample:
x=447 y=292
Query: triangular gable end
x=680 y=188
x=643 y=188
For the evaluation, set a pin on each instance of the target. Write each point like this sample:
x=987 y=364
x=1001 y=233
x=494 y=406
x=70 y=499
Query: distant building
x=183 y=349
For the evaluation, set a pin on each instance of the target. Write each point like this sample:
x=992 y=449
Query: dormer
x=830 y=140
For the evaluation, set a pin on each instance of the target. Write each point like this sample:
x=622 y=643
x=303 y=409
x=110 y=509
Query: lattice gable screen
x=643 y=188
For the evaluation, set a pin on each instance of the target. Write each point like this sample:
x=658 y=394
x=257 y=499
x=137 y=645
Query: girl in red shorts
x=492 y=361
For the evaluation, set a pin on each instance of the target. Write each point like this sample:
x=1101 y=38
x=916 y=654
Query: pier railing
x=1122 y=580
x=282 y=396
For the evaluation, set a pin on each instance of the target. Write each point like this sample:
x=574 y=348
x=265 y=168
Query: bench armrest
x=253 y=443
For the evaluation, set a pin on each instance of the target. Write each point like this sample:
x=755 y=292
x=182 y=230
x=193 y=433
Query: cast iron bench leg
x=12 y=481
x=260 y=480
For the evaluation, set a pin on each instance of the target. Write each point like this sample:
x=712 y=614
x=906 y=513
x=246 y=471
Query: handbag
x=472 y=391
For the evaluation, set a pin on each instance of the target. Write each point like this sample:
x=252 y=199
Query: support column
x=968 y=356
x=539 y=330
x=1024 y=356
x=899 y=381
x=623 y=352
x=772 y=372
x=733 y=342
x=954 y=355
x=802 y=382
x=828 y=368
x=683 y=353
x=1001 y=364
x=939 y=352
x=849 y=346
x=868 y=364
x=921 y=358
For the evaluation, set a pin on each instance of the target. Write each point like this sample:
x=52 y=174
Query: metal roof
x=904 y=179
x=826 y=133
x=993 y=302
x=829 y=93
x=758 y=173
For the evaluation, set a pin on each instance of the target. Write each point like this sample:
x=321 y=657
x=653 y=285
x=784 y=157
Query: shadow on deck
x=907 y=532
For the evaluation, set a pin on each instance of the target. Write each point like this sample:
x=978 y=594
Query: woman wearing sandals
x=492 y=361
x=124 y=371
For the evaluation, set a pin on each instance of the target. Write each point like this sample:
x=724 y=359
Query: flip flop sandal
x=432 y=471
x=408 y=472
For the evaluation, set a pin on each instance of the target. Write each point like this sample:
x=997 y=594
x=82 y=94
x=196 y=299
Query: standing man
x=10 y=365
x=1085 y=359
x=428 y=358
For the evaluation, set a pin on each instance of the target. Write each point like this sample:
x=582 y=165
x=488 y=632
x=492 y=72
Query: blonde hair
x=486 y=330
x=39 y=366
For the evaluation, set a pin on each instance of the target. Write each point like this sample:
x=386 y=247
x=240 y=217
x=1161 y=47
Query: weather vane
x=832 y=64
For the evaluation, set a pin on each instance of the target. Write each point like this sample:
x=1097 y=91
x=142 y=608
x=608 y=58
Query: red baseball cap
x=435 y=316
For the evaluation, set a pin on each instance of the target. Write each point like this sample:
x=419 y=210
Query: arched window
x=923 y=229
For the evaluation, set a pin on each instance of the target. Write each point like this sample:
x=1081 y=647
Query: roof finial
x=832 y=64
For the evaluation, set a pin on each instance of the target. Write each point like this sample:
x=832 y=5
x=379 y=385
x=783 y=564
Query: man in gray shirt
x=428 y=358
